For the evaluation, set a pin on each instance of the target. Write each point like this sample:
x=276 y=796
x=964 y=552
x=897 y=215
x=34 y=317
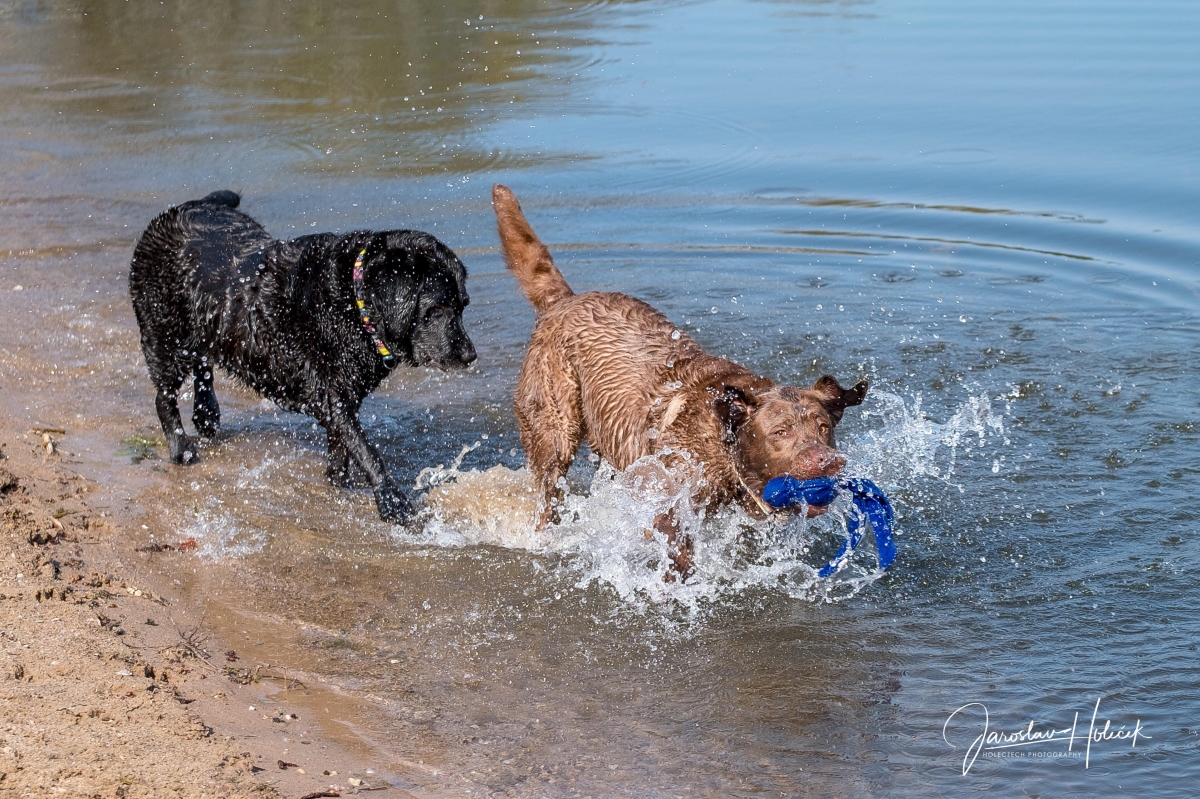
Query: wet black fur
x=211 y=287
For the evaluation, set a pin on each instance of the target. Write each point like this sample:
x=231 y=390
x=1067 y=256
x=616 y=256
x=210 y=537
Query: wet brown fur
x=608 y=368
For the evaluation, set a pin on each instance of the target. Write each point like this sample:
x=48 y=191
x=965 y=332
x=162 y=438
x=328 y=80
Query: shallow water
x=991 y=214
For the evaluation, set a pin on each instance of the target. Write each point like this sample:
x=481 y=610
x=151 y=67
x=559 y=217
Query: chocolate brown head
x=785 y=430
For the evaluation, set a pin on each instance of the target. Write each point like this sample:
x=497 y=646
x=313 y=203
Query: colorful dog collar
x=360 y=297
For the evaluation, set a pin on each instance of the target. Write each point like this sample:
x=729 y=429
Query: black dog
x=313 y=323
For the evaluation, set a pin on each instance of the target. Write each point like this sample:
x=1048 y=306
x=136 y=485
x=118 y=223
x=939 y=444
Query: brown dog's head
x=785 y=429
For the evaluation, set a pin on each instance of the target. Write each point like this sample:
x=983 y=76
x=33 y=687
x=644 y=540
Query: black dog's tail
x=223 y=197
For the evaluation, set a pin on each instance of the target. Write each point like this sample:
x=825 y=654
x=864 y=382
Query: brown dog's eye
x=781 y=432
x=824 y=429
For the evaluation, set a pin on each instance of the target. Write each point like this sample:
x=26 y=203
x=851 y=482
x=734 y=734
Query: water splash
x=218 y=536
x=907 y=446
x=606 y=535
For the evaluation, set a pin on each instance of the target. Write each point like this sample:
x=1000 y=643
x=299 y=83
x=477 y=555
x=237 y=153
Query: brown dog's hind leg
x=549 y=452
x=550 y=417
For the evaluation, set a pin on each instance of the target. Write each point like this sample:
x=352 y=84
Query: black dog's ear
x=733 y=406
x=836 y=399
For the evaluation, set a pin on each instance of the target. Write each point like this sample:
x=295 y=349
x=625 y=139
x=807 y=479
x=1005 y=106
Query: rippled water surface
x=992 y=214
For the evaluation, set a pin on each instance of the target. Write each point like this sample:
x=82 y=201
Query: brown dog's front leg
x=680 y=547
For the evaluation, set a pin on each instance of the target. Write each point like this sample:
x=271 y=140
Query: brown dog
x=610 y=369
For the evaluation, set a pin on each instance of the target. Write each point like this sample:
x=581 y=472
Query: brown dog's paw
x=680 y=548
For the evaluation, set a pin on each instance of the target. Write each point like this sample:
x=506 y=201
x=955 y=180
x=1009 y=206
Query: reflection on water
x=990 y=219
x=385 y=87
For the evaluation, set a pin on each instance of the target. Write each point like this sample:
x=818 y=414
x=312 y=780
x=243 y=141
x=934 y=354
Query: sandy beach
x=989 y=212
x=111 y=687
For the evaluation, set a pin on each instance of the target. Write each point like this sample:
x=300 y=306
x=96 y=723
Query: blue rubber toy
x=869 y=503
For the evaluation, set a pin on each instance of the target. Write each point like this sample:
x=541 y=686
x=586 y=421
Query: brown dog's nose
x=832 y=463
x=819 y=461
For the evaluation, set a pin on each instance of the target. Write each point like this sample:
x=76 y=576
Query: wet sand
x=112 y=686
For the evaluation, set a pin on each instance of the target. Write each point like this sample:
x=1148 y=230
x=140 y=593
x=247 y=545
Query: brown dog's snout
x=832 y=463
x=819 y=461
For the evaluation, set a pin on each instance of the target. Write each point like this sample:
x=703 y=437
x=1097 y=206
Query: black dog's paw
x=393 y=505
x=184 y=451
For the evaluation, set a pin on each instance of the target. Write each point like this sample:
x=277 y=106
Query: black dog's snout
x=467 y=354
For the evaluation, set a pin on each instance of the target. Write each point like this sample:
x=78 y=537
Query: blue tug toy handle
x=870 y=504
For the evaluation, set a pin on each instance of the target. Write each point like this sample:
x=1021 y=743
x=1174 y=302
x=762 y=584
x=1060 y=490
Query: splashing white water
x=606 y=534
x=908 y=446
x=218 y=536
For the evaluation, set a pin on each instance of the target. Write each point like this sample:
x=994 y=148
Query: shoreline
x=113 y=686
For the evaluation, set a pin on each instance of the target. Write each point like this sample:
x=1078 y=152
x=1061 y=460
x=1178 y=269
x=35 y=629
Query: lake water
x=992 y=213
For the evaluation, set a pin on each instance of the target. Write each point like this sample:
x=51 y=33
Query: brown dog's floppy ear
x=836 y=399
x=733 y=406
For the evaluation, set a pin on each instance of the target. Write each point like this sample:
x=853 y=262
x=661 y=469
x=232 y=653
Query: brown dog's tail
x=527 y=258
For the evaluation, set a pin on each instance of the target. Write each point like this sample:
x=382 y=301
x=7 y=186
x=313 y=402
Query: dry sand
x=105 y=689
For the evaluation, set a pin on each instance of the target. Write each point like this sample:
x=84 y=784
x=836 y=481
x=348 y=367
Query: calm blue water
x=992 y=213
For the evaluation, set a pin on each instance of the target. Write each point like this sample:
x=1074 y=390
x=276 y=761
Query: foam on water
x=218 y=535
x=606 y=533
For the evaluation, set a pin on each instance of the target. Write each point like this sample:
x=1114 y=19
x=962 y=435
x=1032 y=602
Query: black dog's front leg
x=346 y=434
x=206 y=413
x=182 y=448
x=340 y=471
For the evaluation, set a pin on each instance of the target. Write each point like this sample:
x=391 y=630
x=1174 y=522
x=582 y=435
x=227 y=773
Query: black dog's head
x=418 y=288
